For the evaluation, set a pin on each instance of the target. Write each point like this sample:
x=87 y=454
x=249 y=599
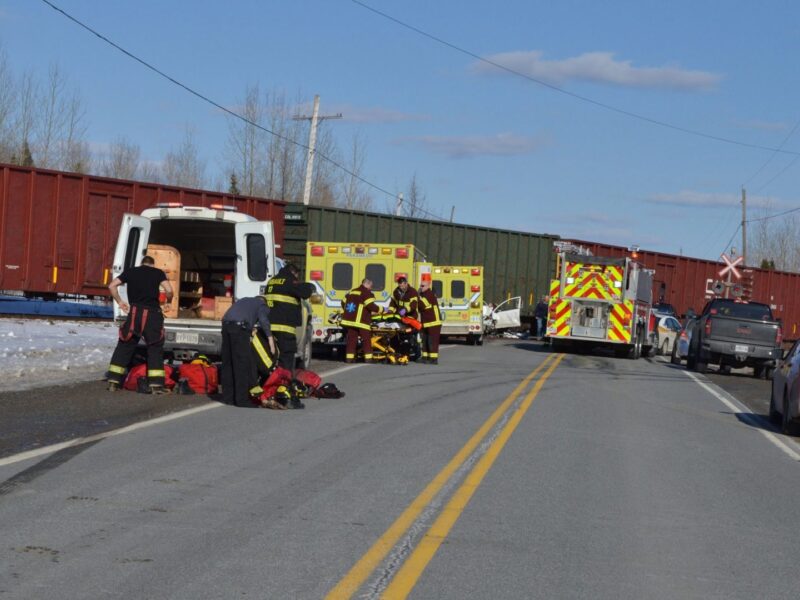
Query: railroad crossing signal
x=718 y=287
x=731 y=266
x=737 y=290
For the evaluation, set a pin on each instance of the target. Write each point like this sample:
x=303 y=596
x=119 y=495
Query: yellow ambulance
x=460 y=293
x=335 y=268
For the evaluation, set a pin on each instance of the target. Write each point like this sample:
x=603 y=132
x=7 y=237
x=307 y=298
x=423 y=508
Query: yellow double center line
x=412 y=569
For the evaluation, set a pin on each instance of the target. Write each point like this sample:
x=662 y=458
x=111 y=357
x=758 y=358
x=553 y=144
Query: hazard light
x=169 y=205
x=475 y=272
x=401 y=253
x=333 y=249
x=227 y=207
x=386 y=250
x=317 y=251
x=316 y=275
x=475 y=288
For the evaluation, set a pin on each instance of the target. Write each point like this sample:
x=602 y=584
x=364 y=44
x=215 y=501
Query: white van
x=222 y=255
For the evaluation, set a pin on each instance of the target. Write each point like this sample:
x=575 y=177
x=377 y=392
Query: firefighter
x=143 y=284
x=359 y=306
x=404 y=299
x=284 y=294
x=239 y=375
x=431 y=322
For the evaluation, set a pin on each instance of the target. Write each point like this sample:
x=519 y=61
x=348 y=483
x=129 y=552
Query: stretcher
x=386 y=345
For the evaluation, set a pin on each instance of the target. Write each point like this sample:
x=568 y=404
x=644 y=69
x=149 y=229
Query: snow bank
x=43 y=352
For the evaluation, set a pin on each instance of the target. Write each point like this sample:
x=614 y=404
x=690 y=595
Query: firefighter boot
x=113 y=386
x=295 y=403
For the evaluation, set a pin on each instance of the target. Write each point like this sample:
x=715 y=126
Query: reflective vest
x=430 y=316
x=407 y=301
x=358 y=306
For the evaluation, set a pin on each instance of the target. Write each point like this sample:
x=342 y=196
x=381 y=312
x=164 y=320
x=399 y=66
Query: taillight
x=475 y=272
x=316 y=275
x=779 y=336
x=317 y=251
x=684 y=336
x=401 y=253
x=475 y=288
x=708 y=327
x=228 y=207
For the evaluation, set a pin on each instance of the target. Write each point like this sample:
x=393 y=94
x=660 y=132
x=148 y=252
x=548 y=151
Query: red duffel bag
x=202 y=377
x=309 y=379
x=132 y=380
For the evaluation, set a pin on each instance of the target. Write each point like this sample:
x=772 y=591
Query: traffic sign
x=731 y=266
x=718 y=287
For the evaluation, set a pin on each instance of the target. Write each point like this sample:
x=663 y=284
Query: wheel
x=758 y=372
x=725 y=369
x=774 y=415
x=701 y=364
x=470 y=339
x=675 y=359
x=636 y=353
x=768 y=373
x=479 y=340
x=664 y=348
x=691 y=361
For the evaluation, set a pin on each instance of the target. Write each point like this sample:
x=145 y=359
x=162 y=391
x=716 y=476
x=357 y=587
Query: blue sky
x=505 y=151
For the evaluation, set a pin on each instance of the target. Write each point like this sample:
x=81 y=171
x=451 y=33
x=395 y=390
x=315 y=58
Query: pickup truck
x=736 y=334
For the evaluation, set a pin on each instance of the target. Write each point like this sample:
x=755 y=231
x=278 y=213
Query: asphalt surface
x=598 y=478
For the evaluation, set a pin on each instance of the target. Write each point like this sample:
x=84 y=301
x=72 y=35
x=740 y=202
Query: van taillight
x=401 y=253
x=317 y=251
x=779 y=336
x=475 y=272
x=316 y=275
x=475 y=288
x=708 y=327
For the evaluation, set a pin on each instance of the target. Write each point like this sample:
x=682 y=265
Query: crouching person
x=144 y=319
x=239 y=377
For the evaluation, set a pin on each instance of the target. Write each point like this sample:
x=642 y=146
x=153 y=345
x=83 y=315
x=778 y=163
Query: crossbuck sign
x=731 y=266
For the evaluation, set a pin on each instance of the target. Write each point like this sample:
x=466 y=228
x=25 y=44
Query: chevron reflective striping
x=619 y=314
x=562 y=319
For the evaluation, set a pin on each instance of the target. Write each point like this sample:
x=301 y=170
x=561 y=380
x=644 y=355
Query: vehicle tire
x=470 y=339
x=675 y=359
x=725 y=369
x=787 y=426
x=774 y=415
x=768 y=373
x=691 y=361
x=636 y=352
x=303 y=359
x=479 y=340
x=701 y=364
x=664 y=350
x=758 y=372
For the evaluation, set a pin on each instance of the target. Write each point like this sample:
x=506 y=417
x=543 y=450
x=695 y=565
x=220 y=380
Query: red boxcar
x=58 y=230
x=685 y=283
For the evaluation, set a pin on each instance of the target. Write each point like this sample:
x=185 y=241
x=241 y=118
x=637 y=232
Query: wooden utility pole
x=452 y=212
x=399 y=204
x=744 y=226
x=312 y=142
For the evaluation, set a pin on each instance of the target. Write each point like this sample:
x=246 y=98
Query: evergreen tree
x=27 y=157
x=233 y=188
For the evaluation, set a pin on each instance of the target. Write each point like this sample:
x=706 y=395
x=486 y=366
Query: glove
x=402 y=312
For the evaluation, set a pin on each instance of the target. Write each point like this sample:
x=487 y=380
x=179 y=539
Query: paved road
x=505 y=472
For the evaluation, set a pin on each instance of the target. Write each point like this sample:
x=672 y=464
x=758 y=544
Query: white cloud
x=598 y=67
x=694 y=199
x=764 y=125
x=502 y=144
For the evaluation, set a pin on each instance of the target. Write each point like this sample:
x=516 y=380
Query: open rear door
x=131 y=248
x=506 y=314
x=255 y=258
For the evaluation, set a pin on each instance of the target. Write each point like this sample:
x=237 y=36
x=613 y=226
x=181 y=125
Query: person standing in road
x=540 y=314
x=404 y=299
x=284 y=294
x=239 y=375
x=143 y=285
x=359 y=306
x=431 y=321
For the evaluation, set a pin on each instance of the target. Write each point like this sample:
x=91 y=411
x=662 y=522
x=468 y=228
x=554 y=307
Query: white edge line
x=15 y=458
x=736 y=408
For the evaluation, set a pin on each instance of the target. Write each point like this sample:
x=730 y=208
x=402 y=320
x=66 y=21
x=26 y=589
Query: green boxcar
x=515 y=263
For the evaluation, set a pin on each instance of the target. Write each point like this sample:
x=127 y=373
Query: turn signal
x=475 y=288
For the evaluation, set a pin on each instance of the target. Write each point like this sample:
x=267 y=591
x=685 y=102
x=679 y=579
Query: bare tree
x=25 y=117
x=352 y=193
x=774 y=241
x=121 y=160
x=183 y=165
x=7 y=104
x=244 y=150
x=415 y=204
x=75 y=154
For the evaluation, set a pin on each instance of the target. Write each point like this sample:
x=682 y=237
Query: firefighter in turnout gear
x=359 y=306
x=284 y=294
x=143 y=284
x=431 y=322
x=404 y=299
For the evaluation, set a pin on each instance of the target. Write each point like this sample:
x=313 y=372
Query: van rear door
x=131 y=248
x=255 y=258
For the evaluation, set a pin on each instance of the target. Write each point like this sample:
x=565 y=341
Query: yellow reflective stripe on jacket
x=437 y=320
x=368 y=301
x=261 y=351
x=282 y=298
x=116 y=369
x=156 y=373
x=425 y=302
x=282 y=328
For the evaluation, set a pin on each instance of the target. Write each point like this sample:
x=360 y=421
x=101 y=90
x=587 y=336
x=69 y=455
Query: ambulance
x=335 y=268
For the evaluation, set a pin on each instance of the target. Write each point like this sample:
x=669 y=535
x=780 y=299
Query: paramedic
x=285 y=293
x=144 y=319
x=239 y=377
x=431 y=322
x=404 y=299
x=358 y=306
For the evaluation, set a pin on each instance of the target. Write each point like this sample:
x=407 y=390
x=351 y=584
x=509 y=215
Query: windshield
x=743 y=311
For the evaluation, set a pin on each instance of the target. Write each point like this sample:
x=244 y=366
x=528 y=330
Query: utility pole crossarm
x=315 y=118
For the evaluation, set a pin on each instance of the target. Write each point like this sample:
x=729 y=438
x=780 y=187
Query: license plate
x=191 y=338
x=739 y=348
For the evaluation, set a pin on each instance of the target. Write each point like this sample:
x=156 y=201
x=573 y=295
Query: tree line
x=43 y=123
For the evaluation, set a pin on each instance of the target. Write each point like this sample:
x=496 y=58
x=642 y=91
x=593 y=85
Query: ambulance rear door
x=131 y=248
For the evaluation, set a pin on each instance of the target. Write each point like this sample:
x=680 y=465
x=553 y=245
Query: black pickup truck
x=736 y=334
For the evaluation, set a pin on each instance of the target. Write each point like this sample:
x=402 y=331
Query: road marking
x=415 y=565
x=358 y=574
x=735 y=406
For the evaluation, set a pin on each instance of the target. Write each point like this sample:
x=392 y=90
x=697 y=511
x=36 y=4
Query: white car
x=669 y=328
x=784 y=401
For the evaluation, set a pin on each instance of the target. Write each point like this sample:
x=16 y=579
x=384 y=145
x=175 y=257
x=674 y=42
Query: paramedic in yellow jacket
x=358 y=306
x=431 y=322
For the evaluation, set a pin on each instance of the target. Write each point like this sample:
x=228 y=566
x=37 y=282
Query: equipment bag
x=308 y=378
x=202 y=378
x=329 y=390
x=279 y=377
x=140 y=371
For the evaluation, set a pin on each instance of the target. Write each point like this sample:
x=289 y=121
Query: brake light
x=169 y=205
x=475 y=272
x=779 y=336
x=399 y=275
x=475 y=288
x=316 y=275
x=708 y=327
x=228 y=207
x=401 y=253
x=684 y=336
x=317 y=251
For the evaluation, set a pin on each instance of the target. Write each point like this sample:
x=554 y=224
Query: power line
x=223 y=108
x=775 y=216
x=738 y=227
x=555 y=88
x=769 y=160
